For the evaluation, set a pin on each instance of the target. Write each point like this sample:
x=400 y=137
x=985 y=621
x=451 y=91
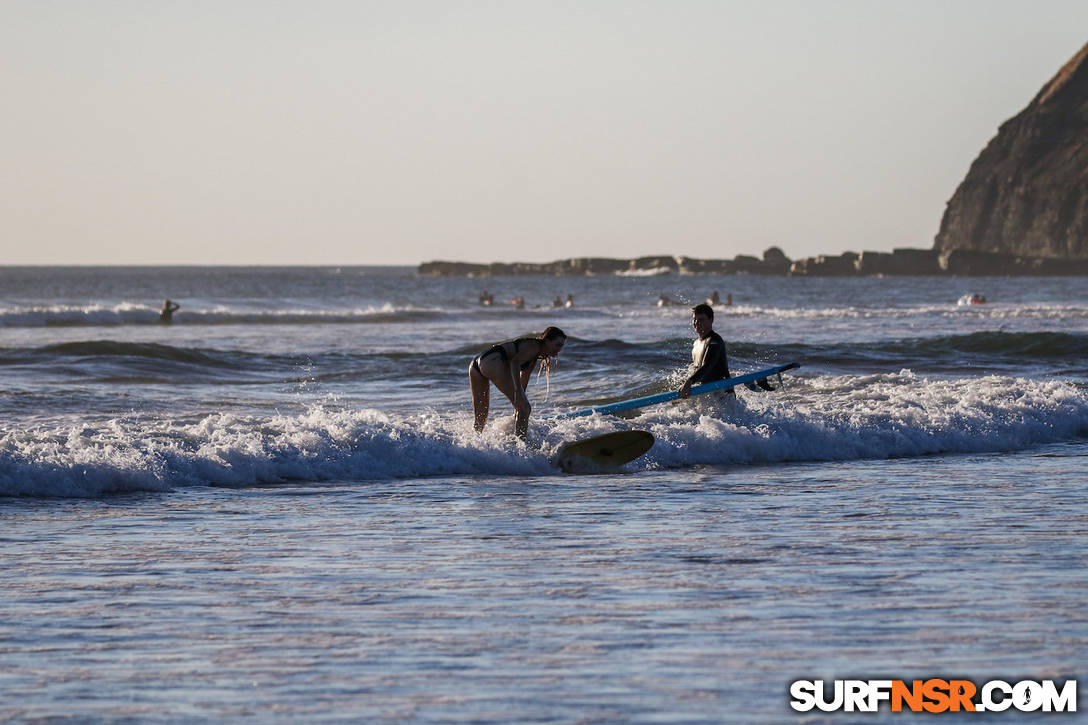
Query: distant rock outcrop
x=1026 y=195
x=773 y=262
x=903 y=261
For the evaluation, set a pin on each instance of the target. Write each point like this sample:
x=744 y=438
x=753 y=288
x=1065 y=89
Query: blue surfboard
x=759 y=377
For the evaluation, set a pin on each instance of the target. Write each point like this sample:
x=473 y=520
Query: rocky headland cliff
x=1026 y=194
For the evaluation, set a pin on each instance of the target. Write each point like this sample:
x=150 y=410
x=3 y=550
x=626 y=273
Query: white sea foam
x=880 y=416
x=128 y=313
x=811 y=419
x=650 y=272
x=952 y=310
x=92 y=314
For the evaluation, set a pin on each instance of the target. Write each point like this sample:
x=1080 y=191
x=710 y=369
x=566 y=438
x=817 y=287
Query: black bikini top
x=501 y=349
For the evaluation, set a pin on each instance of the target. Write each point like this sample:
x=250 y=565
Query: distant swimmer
x=518 y=303
x=166 y=314
x=707 y=352
x=508 y=365
x=715 y=299
x=666 y=301
x=486 y=298
x=557 y=302
x=570 y=301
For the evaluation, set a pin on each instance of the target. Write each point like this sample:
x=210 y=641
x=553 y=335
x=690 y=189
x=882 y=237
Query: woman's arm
x=524 y=356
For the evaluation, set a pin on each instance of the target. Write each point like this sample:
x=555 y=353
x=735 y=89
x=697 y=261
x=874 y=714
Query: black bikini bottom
x=493 y=349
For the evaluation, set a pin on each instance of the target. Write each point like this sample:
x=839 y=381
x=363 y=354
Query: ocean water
x=275 y=509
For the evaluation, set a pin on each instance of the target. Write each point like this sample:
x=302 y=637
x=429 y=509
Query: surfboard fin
x=763 y=384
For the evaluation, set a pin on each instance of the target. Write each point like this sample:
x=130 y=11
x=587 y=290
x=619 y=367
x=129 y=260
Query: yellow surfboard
x=603 y=452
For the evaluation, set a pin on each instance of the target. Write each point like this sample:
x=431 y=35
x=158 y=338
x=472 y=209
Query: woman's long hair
x=550 y=333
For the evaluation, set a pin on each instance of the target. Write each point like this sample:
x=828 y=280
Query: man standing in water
x=707 y=352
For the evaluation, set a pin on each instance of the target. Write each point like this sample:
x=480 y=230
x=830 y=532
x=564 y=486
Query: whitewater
x=276 y=509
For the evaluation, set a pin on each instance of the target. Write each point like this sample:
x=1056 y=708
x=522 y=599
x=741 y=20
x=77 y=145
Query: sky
x=396 y=132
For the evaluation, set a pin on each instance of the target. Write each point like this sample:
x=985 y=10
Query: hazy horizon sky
x=339 y=132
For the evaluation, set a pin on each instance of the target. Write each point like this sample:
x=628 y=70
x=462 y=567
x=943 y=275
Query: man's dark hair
x=703 y=309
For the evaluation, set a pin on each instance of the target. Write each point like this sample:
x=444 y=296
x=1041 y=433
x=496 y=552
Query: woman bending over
x=509 y=365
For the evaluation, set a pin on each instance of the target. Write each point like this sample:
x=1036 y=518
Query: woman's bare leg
x=481 y=397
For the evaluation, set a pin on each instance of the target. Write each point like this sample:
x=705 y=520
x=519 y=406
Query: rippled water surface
x=691 y=597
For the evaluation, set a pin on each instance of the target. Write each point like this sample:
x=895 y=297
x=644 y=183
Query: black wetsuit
x=714 y=365
x=501 y=350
